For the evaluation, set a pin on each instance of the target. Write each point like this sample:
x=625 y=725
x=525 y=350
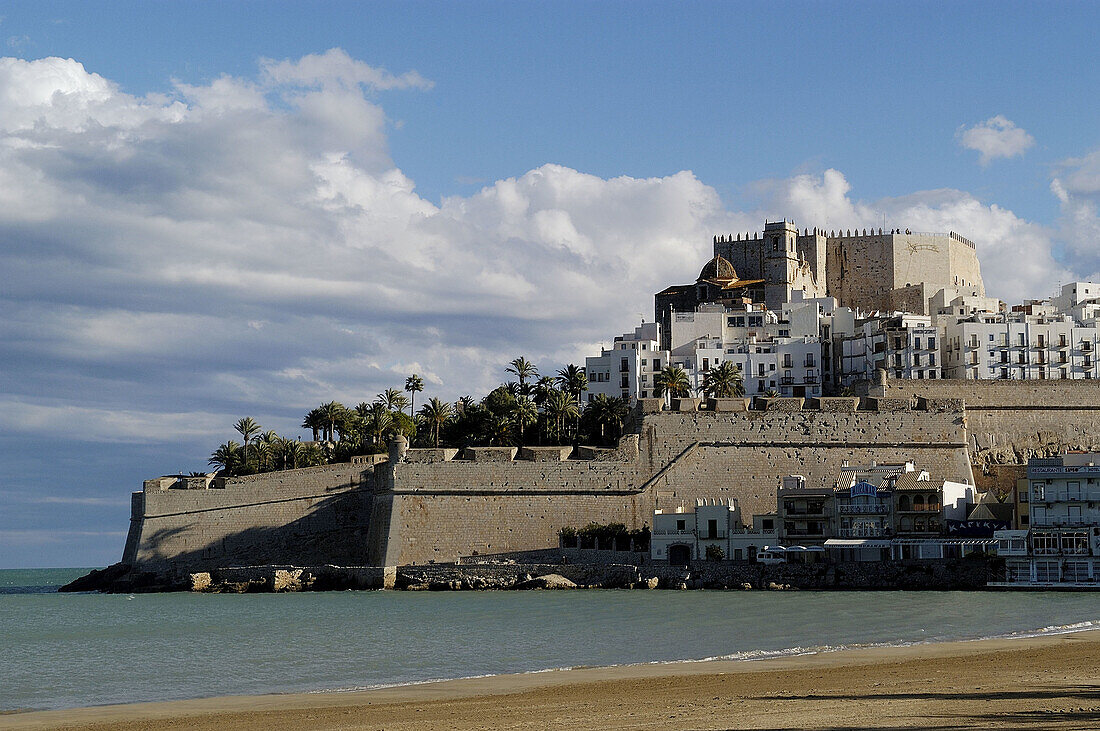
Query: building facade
x=1063 y=537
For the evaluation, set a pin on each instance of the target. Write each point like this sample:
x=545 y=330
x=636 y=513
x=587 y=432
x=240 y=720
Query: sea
x=70 y=650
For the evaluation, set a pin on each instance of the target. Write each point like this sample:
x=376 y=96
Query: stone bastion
x=417 y=506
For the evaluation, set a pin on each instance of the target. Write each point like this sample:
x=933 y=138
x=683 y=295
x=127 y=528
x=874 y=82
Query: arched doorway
x=679 y=555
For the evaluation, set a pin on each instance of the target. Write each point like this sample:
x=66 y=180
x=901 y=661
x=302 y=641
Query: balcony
x=863 y=509
x=811 y=379
x=786 y=380
x=811 y=512
x=863 y=533
x=920 y=509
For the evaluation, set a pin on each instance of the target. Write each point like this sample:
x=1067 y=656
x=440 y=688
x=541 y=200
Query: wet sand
x=1048 y=682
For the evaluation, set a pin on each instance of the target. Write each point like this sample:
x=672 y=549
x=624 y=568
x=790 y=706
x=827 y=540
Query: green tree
x=378 y=422
x=314 y=420
x=605 y=411
x=523 y=370
x=498 y=432
x=393 y=399
x=542 y=388
x=672 y=381
x=724 y=381
x=248 y=428
x=559 y=407
x=573 y=380
x=524 y=413
x=436 y=414
x=414 y=384
x=290 y=453
x=227 y=457
x=331 y=414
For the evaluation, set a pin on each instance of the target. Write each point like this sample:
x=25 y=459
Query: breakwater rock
x=960 y=574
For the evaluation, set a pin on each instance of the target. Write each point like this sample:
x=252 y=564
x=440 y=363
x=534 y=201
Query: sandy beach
x=1050 y=682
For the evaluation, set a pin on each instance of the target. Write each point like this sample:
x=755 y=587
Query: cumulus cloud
x=247 y=246
x=995 y=137
x=1076 y=184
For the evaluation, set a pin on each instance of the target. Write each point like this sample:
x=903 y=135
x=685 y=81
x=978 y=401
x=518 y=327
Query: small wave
x=746 y=655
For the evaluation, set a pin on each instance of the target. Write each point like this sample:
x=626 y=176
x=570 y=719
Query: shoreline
x=1020 y=662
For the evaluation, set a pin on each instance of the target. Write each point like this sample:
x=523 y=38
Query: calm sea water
x=66 y=650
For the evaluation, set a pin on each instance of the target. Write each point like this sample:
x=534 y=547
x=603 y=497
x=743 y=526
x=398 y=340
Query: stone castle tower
x=867 y=270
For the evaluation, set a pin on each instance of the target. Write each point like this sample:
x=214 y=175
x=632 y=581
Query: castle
x=893 y=271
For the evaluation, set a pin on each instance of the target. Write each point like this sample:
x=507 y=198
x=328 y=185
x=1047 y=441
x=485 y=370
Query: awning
x=857 y=543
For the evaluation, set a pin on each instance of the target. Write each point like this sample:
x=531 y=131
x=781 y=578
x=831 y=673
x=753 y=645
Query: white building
x=906 y=346
x=1063 y=541
x=628 y=368
x=1033 y=343
x=680 y=536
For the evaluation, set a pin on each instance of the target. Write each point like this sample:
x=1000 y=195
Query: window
x=931 y=343
x=656 y=364
x=643 y=362
x=931 y=359
x=916 y=343
x=681 y=525
x=1020 y=339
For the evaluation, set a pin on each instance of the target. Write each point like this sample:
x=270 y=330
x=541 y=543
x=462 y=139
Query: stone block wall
x=308 y=517
x=1010 y=421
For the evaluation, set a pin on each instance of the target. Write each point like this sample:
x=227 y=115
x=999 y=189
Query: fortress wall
x=668 y=433
x=751 y=474
x=1010 y=421
x=446 y=526
x=860 y=270
x=744 y=455
x=446 y=510
x=306 y=517
x=442 y=511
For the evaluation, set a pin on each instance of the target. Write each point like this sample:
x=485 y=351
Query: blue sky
x=226 y=209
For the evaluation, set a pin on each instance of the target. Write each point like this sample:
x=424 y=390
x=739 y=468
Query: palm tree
x=378 y=421
x=724 y=381
x=413 y=384
x=266 y=444
x=524 y=413
x=498 y=432
x=673 y=381
x=290 y=452
x=771 y=393
x=247 y=427
x=331 y=413
x=523 y=369
x=227 y=456
x=393 y=399
x=436 y=413
x=559 y=407
x=464 y=404
x=314 y=420
x=542 y=388
x=607 y=411
x=573 y=380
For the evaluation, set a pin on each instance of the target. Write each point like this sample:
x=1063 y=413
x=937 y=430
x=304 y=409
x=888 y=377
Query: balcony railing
x=863 y=509
x=862 y=533
x=786 y=380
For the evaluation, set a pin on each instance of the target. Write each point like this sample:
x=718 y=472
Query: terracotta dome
x=718 y=268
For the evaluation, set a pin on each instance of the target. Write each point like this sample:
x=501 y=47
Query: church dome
x=718 y=268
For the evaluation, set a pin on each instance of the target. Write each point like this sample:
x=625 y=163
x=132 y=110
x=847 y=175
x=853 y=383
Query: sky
x=216 y=210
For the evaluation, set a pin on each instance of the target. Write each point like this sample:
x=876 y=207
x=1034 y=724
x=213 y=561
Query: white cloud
x=1076 y=184
x=995 y=137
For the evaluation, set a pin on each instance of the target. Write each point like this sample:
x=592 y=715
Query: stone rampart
x=1010 y=421
x=443 y=511
x=432 y=505
x=307 y=517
